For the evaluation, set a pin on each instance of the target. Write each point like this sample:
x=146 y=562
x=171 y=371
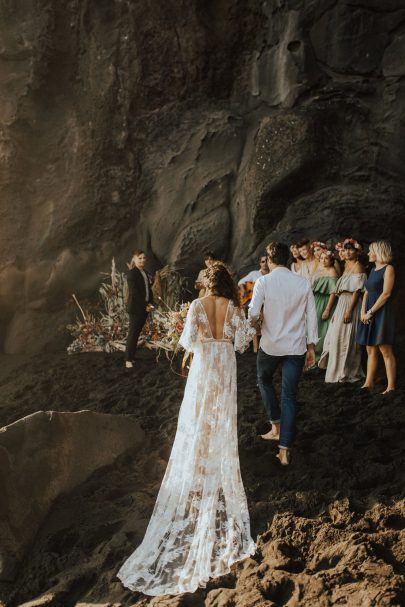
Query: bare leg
x=390 y=366
x=372 y=365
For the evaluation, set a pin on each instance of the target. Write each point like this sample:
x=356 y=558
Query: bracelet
x=370 y=312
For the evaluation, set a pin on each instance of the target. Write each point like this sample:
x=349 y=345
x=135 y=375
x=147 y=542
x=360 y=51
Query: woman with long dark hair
x=341 y=355
x=200 y=525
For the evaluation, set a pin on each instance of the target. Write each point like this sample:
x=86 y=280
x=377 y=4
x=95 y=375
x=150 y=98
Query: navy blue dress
x=380 y=329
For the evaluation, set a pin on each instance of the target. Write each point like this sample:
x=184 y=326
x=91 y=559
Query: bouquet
x=163 y=330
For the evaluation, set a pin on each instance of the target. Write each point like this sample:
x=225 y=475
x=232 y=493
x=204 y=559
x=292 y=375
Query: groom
x=289 y=334
x=139 y=303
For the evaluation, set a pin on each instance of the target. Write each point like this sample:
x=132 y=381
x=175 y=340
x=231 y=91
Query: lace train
x=200 y=524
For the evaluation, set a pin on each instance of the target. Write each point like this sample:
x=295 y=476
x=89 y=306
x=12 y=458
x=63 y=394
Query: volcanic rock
x=186 y=126
x=48 y=454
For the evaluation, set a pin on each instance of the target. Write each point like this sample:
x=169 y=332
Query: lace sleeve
x=243 y=330
x=189 y=336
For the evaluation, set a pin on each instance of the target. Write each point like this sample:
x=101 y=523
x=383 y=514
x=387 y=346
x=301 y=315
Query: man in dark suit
x=139 y=303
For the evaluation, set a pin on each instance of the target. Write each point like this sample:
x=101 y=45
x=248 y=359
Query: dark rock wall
x=177 y=126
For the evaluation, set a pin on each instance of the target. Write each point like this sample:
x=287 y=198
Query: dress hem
x=201 y=584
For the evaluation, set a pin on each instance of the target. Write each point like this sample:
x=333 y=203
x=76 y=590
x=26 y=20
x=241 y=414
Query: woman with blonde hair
x=376 y=330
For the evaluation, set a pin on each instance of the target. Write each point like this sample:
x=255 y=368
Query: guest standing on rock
x=318 y=247
x=246 y=283
x=200 y=524
x=377 y=329
x=341 y=257
x=139 y=302
x=296 y=262
x=341 y=355
x=289 y=335
x=309 y=263
x=323 y=286
x=209 y=259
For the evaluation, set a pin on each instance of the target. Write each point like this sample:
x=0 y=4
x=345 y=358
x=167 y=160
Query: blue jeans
x=291 y=370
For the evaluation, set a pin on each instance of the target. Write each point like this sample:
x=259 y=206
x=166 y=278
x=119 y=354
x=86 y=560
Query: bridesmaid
x=296 y=264
x=340 y=261
x=341 y=354
x=323 y=286
x=376 y=330
x=309 y=262
x=318 y=248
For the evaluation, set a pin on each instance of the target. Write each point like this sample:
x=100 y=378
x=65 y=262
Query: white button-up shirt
x=251 y=277
x=289 y=314
x=146 y=281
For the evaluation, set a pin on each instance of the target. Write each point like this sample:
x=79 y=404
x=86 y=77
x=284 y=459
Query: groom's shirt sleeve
x=257 y=300
x=312 y=321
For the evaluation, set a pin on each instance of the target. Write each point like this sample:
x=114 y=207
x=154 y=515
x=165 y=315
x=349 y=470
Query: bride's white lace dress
x=200 y=524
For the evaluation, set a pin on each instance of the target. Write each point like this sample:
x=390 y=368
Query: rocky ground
x=330 y=527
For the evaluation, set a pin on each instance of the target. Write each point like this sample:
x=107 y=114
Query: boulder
x=45 y=455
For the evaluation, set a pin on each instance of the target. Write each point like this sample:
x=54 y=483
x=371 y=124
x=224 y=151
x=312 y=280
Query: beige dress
x=341 y=356
x=307 y=269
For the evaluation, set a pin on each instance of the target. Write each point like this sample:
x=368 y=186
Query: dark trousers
x=291 y=370
x=136 y=322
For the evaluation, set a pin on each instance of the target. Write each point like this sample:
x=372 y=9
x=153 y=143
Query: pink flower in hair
x=318 y=243
x=353 y=242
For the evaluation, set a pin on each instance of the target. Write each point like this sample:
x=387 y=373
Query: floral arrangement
x=163 y=330
x=106 y=331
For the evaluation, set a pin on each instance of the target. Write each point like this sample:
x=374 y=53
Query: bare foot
x=366 y=387
x=129 y=364
x=388 y=390
x=271 y=435
x=284 y=455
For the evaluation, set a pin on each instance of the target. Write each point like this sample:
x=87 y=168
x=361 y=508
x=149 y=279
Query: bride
x=200 y=524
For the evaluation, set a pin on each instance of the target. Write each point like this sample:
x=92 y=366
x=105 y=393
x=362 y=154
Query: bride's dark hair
x=218 y=280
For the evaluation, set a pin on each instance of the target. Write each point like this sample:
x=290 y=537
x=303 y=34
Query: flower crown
x=318 y=243
x=327 y=252
x=353 y=242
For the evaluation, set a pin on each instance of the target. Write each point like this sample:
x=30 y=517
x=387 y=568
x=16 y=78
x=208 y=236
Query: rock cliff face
x=179 y=126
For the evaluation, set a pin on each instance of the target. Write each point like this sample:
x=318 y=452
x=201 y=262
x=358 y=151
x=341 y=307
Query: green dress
x=322 y=288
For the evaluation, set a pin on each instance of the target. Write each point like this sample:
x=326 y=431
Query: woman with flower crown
x=341 y=259
x=323 y=287
x=341 y=354
x=200 y=524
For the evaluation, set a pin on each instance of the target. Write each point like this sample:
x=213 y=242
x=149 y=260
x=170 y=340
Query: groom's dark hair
x=278 y=253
